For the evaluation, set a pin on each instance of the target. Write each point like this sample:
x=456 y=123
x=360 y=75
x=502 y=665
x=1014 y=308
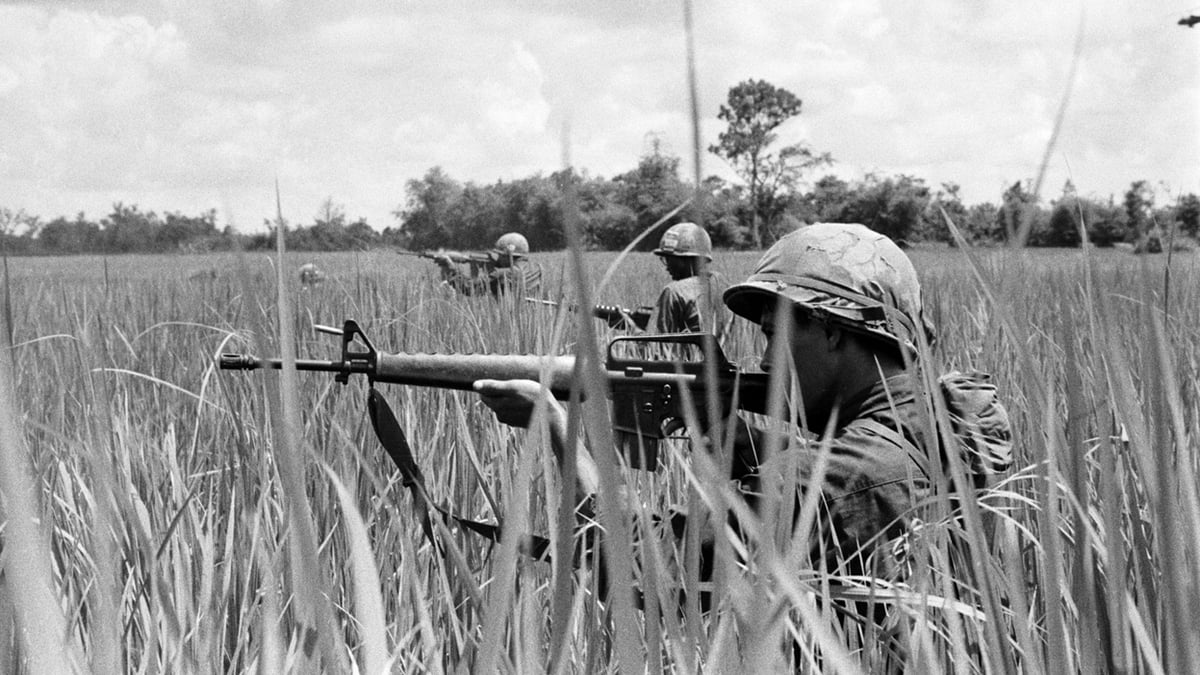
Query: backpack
x=979 y=422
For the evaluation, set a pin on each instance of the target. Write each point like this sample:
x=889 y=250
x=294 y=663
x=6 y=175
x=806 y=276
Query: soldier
x=846 y=301
x=840 y=306
x=311 y=275
x=507 y=269
x=691 y=302
x=841 y=310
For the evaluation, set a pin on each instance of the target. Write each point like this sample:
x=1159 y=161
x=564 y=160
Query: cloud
x=184 y=106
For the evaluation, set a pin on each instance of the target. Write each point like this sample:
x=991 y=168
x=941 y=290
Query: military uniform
x=848 y=276
x=683 y=303
x=520 y=280
x=691 y=303
x=506 y=272
x=878 y=468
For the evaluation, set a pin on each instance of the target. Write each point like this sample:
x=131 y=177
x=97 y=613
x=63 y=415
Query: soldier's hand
x=443 y=260
x=514 y=401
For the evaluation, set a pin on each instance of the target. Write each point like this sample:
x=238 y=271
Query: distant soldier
x=311 y=275
x=203 y=275
x=506 y=270
x=691 y=303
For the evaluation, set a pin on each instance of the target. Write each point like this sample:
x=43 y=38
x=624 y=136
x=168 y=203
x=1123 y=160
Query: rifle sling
x=391 y=436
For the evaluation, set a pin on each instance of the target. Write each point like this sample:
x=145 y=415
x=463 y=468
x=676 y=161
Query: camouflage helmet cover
x=512 y=243
x=842 y=273
x=685 y=240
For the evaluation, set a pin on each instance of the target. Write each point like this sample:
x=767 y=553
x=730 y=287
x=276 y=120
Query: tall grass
x=147 y=524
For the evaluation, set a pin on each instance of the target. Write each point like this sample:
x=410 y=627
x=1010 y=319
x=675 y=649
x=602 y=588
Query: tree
x=473 y=217
x=1065 y=218
x=127 y=229
x=723 y=208
x=754 y=109
x=945 y=201
x=1139 y=204
x=651 y=191
x=892 y=206
x=982 y=224
x=1106 y=222
x=187 y=233
x=1018 y=211
x=16 y=230
x=1063 y=227
x=827 y=200
x=1188 y=214
x=533 y=207
x=62 y=236
x=424 y=219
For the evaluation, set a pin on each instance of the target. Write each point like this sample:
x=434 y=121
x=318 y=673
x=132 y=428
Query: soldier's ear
x=834 y=336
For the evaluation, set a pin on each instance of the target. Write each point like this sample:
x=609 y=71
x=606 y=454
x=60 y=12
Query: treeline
x=128 y=229
x=771 y=198
x=439 y=211
x=442 y=212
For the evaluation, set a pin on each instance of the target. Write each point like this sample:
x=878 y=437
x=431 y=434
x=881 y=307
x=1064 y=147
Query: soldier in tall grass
x=311 y=275
x=691 y=302
x=506 y=271
x=840 y=306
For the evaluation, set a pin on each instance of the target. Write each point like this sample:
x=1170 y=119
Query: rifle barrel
x=249 y=362
x=460 y=371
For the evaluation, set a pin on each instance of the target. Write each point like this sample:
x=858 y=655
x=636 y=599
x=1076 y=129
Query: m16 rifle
x=621 y=318
x=653 y=379
x=478 y=260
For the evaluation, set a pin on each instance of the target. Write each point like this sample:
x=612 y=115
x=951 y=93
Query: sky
x=184 y=106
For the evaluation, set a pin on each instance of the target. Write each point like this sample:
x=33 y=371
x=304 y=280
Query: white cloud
x=182 y=106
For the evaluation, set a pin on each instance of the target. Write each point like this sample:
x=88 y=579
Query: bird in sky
x=1189 y=21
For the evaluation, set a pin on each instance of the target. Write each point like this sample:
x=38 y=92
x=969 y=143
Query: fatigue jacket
x=693 y=305
x=876 y=472
x=521 y=280
x=880 y=462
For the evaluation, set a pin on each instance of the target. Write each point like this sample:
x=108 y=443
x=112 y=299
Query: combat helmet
x=685 y=240
x=842 y=273
x=513 y=244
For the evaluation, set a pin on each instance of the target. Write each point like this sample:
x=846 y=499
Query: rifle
x=647 y=397
x=617 y=317
x=474 y=258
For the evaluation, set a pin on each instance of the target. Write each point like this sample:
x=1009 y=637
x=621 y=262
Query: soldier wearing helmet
x=505 y=269
x=691 y=302
x=841 y=308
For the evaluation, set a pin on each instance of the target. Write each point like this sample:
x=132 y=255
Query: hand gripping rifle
x=647 y=377
x=476 y=259
x=621 y=318
x=649 y=395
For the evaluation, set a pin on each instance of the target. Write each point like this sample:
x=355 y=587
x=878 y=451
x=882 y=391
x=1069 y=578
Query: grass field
x=161 y=516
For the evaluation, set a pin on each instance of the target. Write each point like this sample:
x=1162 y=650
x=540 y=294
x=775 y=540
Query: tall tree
x=1065 y=217
x=1017 y=205
x=946 y=203
x=753 y=110
x=424 y=219
x=127 y=229
x=1139 y=204
x=652 y=190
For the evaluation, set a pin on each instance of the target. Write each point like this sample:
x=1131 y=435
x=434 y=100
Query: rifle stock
x=648 y=399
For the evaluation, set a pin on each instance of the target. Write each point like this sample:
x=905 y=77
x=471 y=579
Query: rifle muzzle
x=239 y=362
